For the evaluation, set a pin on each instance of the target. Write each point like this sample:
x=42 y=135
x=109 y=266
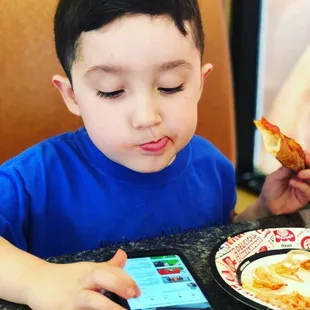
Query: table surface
x=196 y=245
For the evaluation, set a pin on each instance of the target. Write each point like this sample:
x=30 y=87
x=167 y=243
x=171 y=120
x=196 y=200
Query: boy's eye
x=110 y=95
x=118 y=93
x=170 y=91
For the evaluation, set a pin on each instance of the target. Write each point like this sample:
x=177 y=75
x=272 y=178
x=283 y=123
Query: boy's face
x=136 y=85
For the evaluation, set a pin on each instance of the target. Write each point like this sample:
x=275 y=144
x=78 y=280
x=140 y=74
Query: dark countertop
x=196 y=246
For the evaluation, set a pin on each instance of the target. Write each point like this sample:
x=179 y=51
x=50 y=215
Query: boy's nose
x=146 y=115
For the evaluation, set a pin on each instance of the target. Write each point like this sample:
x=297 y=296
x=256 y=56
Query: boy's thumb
x=119 y=259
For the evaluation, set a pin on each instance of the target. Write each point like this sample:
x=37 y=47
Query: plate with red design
x=265 y=268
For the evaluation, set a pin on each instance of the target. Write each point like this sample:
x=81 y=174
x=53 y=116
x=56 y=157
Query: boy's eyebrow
x=175 y=64
x=118 y=69
x=105 y=68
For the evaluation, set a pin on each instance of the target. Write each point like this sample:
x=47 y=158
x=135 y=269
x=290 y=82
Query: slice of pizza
x=286 y=150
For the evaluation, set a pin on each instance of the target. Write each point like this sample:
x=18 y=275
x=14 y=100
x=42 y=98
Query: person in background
x=285 y=74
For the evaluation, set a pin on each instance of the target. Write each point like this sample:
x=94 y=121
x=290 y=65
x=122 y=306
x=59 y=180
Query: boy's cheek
x=183 y=118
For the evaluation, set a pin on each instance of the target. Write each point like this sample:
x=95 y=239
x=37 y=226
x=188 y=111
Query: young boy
x=136 y=170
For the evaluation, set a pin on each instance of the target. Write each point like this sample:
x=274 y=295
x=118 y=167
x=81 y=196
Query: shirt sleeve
x=14 y=206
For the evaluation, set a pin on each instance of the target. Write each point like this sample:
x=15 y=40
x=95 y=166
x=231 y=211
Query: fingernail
x=130 y=292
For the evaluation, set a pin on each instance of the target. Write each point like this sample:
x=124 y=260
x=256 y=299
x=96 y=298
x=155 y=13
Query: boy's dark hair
x=73 y=17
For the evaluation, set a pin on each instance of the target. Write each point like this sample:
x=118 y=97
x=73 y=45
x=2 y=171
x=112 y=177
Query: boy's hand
x=79 y=285
x=285 y=191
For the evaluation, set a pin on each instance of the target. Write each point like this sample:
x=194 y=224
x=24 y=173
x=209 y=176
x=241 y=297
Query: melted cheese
x=272 y=142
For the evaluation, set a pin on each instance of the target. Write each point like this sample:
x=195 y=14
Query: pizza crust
x=287 y=151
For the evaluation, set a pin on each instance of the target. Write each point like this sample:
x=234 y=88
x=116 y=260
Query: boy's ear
x=205 y=71
x=64 y=86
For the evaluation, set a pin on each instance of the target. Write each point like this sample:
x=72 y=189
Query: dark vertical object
x=244 y=43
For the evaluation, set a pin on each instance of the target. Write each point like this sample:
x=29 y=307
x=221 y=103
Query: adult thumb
x=119 y=259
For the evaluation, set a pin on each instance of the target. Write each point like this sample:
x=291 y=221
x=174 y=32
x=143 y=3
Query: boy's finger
x=123 y=275
x=103 y=278
x=119 y=259
x=92 y=300
x=117 y=263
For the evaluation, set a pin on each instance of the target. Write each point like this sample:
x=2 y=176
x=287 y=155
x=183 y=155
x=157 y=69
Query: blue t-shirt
x=63 y=195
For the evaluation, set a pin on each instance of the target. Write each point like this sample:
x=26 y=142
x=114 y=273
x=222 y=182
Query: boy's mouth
x=155 y=146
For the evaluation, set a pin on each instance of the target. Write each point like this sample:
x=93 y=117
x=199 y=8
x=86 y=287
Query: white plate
x=237 y=257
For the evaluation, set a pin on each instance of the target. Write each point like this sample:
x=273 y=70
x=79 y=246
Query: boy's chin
x=153 y=167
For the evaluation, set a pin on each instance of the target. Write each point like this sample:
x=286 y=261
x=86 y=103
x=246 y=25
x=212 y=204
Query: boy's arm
x=26 y=279
x=15 y=266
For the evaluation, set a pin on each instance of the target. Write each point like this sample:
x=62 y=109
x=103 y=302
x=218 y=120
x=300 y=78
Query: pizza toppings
x=267 y=125
x=305 y=265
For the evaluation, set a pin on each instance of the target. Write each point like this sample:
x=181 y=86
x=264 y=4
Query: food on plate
x=293 y=301
x=305 y=265
x=267 y=284
x=289 y=272
x=265 y=280
x=286 y=150
x=289 y=267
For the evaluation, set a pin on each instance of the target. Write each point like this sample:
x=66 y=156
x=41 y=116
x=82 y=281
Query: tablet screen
x=165 y=283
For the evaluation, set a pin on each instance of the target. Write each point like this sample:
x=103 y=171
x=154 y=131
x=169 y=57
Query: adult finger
x=303 y=187
x=304 y=175
x=307 y=159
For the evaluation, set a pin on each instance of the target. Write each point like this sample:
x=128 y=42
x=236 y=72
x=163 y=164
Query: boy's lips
x=155 y=146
